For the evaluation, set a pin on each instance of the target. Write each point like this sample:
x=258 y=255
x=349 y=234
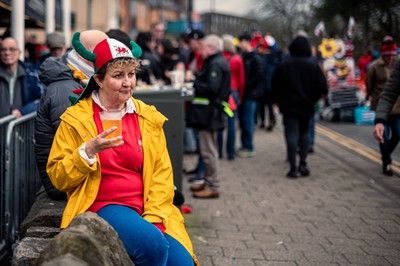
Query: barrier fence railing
x=21 y=179
x=4 y=121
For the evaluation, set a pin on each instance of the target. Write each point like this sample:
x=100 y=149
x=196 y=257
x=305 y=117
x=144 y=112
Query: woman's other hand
x=101 y=143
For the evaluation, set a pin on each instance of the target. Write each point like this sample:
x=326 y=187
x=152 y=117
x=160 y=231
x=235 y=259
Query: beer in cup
x=110 y=119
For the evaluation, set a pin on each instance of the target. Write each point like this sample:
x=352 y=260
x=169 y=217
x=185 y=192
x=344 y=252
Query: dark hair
x=245 y=36
x=169 y=48
x=184 y=37
x=143 y=38
x=120 y=35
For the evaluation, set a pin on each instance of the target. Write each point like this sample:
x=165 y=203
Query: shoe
x=246 y=154
x=303 y=169
x=292 y=174
x=231 y=157
x=197 y=187
x=206 y=193
x=262 y=125
x=270 y=128
x=311 y=149
x=387 y=170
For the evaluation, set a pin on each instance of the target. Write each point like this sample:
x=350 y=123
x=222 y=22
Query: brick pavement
x=345 y=213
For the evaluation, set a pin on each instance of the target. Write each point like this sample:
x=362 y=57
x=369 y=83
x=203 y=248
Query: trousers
x=144 y=242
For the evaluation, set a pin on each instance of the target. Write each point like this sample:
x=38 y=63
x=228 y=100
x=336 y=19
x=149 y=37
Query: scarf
x=74 y=60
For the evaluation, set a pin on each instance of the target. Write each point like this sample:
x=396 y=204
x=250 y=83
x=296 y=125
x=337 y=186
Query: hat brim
x=389 y=53
x=91 y=86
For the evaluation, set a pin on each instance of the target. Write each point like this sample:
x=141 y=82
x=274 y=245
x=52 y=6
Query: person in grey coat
x=63 y=77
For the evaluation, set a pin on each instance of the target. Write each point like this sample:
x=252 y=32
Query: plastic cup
x=111 y=119
x=177 y=78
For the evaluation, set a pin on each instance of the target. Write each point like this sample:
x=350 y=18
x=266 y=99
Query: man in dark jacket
x=253 y=89
x=378 y=73
x=387 y=101
x=270 y=61
x=61 y=76
x=206 y=112
x=297 y=84
x=20 y=88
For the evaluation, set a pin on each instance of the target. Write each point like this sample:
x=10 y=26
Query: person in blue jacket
x=20 y=89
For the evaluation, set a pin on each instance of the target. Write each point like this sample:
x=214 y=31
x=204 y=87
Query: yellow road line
x=355 y=146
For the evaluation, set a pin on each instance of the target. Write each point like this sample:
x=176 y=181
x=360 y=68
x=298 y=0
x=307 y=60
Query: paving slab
x=345 y=213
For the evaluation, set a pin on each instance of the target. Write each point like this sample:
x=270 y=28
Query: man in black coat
x=253 y=90
x=297 y=84
x=206 y=112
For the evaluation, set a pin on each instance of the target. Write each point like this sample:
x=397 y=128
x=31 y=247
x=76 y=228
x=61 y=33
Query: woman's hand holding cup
x=101 y=142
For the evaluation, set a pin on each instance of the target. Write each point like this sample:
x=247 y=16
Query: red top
x=196 y=62
x=362 y=64
x=121 y=167
x=237 y=72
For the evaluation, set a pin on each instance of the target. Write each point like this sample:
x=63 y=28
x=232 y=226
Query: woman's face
x=117 y=87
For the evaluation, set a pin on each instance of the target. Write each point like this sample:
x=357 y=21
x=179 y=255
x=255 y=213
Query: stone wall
x=88 y=240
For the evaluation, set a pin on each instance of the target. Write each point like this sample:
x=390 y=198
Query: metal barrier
x=4 y=121
x=21 y=180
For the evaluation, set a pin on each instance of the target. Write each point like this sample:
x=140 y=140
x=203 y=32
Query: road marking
x=355 y=146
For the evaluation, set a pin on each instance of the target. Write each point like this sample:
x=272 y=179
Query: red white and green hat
x=104 y=52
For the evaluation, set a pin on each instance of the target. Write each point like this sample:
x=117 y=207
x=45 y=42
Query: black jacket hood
x=300 y=47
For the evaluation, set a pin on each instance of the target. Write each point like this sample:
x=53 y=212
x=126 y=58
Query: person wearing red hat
x=377 y=76
x=128 y=179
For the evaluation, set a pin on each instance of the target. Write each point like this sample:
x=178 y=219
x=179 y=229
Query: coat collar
x=83 y=111
x=20 y=70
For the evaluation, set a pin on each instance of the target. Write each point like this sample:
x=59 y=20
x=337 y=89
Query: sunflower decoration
x=328 y=47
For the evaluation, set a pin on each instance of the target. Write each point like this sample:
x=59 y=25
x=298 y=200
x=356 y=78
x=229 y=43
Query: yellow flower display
x=328 y=47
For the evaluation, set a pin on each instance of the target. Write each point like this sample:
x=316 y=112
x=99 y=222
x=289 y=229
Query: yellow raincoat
x=69 y=172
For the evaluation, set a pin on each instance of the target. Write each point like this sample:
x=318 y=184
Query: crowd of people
x=127 y=179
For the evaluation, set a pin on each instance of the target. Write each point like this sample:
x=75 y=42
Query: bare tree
x=286 y=17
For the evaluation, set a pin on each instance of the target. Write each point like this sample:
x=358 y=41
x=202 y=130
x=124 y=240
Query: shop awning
x=34 y=13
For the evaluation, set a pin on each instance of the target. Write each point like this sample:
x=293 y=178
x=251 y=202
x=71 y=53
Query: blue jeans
x=247 y=111
x=231 y=132
x=297 y=134
x=312 y=131
x=391 y=139
x=200 y=168
x=190 y=144
x=144 y=242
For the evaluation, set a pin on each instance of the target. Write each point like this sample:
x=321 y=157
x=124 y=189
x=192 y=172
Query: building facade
x=129 y=15
x=218 y=23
